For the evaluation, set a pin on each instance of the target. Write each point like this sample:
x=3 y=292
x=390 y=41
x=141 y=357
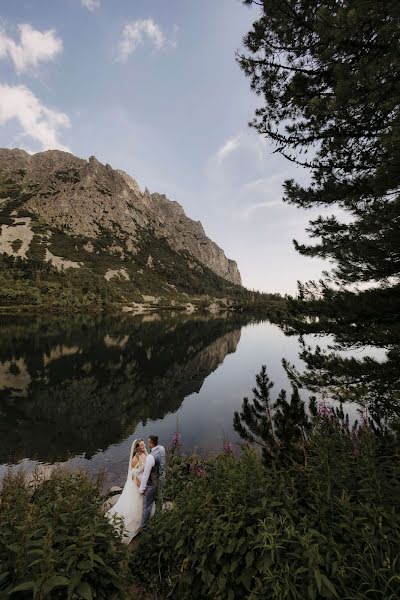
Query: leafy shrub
x=55 y=543
x=327 y=529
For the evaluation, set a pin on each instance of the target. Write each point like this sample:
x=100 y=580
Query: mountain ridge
x=88 y=199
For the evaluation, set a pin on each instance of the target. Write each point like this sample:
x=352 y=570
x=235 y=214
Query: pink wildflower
x=176 y=439
x=200 y=471
x=324 y=410
x=228 y=448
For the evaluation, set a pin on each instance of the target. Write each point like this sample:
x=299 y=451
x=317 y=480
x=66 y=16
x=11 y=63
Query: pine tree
x=291 y=421
x=328 y=74
x=280 y=428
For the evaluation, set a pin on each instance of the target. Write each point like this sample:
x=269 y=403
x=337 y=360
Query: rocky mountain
x=83 y=215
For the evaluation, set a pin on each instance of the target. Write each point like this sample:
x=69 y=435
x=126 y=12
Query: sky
x=152 y=87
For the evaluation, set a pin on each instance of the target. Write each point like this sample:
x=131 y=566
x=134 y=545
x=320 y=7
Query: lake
x=77 y=390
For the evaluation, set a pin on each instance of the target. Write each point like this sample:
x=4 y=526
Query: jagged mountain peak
x=105 y=208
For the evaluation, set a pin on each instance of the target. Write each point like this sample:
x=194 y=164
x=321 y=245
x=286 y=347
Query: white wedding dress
x=128 y=510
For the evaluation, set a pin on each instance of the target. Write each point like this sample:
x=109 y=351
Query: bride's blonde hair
x=136 y=446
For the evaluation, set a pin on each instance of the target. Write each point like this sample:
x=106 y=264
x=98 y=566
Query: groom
x=153 y=476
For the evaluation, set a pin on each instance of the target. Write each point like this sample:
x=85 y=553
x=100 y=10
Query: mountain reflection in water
x=78 y=385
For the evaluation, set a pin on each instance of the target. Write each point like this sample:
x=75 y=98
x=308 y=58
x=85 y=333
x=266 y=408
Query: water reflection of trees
x=74 y=386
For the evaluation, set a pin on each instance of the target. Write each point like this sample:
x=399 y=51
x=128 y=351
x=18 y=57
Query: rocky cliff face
x=89 y=199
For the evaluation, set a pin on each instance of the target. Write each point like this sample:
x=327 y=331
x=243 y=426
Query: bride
x=127 y=513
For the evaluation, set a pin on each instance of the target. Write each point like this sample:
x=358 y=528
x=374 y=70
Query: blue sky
x=152 y=87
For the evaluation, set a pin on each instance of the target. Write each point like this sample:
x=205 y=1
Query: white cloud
x=33 y=48
x=90 y=4
x=227 y=148
x=268 y=189
x=239 y=156
x=263 y=183
x=249 y=210
x=135 y=33
x=37 y=121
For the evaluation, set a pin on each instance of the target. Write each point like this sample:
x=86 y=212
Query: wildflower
x=228 y=448
x=324 y=410
x=200 y=471
x=176 y=439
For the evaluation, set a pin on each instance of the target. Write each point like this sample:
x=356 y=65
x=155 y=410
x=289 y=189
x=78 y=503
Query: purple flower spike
x=324 y=410
x=200 y=471
x=228 y=448
x=176 y=439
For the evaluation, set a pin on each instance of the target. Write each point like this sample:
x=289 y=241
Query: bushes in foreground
x=326 y=529
x=55 y=543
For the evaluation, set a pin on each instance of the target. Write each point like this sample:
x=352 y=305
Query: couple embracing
x=146 y=474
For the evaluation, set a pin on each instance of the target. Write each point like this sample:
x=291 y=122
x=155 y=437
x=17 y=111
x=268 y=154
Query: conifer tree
x=328 y=76
x=291 y=421
x=280 y=429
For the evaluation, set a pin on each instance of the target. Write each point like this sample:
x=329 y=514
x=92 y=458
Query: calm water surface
x=78 y=390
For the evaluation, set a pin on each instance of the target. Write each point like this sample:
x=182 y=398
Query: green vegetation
x=16 y=245
x=327 y=78
x=316 y=515
x=369 y=318
x=34 y=284
x=323 y=527
x=280 y=429
x=55 y=543
x=320 y=524
x=173 y=278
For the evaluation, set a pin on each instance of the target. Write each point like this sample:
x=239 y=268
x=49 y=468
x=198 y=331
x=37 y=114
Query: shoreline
x=135 y=308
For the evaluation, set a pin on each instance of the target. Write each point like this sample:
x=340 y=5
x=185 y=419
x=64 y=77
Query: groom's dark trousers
x=149 y=498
